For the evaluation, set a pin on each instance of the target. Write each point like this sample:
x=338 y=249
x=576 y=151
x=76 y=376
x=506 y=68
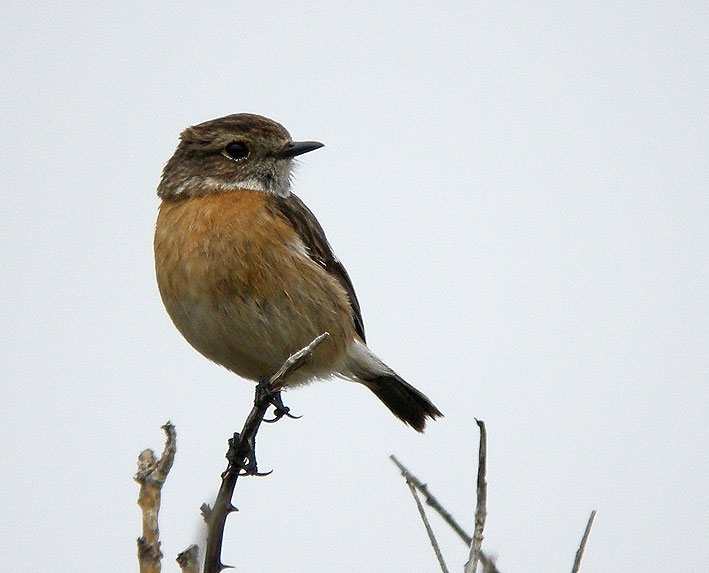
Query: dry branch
x=188 y=560
x=427 y=525
x=151 y=476
x=487 y=563
x=481 y=505
x=582 y=546
x=241 y=454
x=432 y=501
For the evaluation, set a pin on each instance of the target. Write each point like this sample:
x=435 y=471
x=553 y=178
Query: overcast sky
x=519 y=193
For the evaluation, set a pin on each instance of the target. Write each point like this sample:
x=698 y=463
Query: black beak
x=297 y=148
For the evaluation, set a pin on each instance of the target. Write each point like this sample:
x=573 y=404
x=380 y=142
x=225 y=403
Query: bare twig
x=431 y=536
x=295 y=361
x=241 y=455
x=432 y=501
x=151 y=476
x=481 y=506
x=488 y=564
x=579 y=552
x=188 y=560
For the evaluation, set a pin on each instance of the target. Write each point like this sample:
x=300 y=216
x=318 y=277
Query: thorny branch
x=241 y=453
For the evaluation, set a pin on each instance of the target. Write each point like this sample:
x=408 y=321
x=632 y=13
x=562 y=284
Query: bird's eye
x=236 y=150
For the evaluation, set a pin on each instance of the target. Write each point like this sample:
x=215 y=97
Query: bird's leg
x=273 y=397
x=242 y=448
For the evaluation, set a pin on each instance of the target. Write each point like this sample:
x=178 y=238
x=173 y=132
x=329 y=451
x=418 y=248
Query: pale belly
x=253 y=339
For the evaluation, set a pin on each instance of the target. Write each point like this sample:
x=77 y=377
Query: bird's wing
x=320 y=251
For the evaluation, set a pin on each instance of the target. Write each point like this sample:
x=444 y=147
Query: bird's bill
x=297 y=148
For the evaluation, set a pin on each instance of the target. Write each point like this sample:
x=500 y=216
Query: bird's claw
x=280 y=410
x=243 y=461
x=254 y=473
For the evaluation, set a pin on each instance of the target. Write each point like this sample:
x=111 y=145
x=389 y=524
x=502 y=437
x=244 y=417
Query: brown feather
x=319 y=249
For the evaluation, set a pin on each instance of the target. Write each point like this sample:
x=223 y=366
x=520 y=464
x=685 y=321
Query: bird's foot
x=273 y=397
x=242 y=457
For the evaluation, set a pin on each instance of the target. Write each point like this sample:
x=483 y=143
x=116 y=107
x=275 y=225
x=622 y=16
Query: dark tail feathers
x=405 y=401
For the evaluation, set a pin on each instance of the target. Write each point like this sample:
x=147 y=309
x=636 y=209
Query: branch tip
x=584 y=539
x=476 y=553
x=151 y=475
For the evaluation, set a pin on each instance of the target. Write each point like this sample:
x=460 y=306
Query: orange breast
x=238 y=284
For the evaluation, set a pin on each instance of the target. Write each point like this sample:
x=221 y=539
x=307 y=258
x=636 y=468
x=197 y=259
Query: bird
x=245 y=271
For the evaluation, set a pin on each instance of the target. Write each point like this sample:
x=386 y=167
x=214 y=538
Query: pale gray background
x=519 y=194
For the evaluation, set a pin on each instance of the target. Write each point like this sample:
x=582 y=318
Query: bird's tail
x=404 y=401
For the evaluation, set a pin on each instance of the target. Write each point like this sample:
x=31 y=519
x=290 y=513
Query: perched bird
x=244 y=268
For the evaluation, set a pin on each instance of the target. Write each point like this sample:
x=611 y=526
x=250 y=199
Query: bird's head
x=240 y=151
